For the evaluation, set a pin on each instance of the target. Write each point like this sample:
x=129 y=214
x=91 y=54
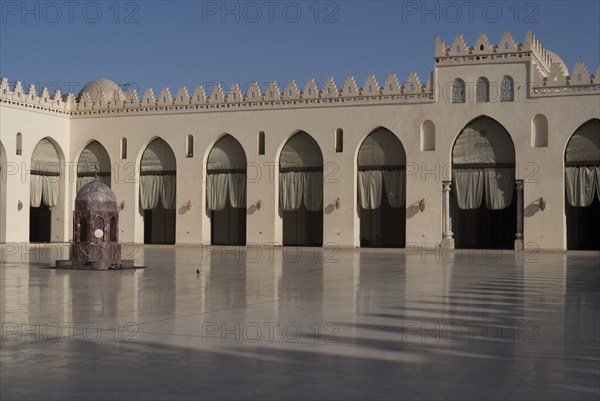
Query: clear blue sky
x=158 y=43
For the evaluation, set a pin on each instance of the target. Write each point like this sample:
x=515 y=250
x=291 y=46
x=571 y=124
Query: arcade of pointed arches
x=483 y=186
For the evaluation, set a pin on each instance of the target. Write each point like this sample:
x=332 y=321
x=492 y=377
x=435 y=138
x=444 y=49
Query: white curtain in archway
x=157 y=178
x=291 y=186
x=469 y=187
x=499 y=185
x=313 y=190
x=221 y=185
x=370 y=188
x=150 y=188
x=224 y=179
x=35 y=192
x=168 y=191
x=301 y=152
x=237 y=190
x=583 y=175
x=44 y=189
x=380 y=150
x=216 y=191
x=580 y=183
x=395 y=183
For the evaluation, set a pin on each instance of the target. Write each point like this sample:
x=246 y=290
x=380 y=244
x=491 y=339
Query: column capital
x=519 y=185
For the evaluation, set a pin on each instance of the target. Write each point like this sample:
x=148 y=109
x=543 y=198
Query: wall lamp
x=122 y=205
x=422 y=205
x=188 y=205
x=19 y=205
x=542 y=204
x=258 y=204
x=337 y=203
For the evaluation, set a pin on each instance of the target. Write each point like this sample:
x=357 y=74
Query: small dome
x=96 y=196
x=101 y=89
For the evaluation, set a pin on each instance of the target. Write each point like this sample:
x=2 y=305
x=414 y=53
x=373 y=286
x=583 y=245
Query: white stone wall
x=542 y=169
x=34 y=126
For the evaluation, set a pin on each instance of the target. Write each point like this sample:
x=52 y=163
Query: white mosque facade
x=498 y=149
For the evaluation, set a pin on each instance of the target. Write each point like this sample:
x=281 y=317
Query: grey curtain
x=469 y=187
x=313 y=190
x=237 y=190
x=35 y=192
x=370 y=188
x=50 y=189
x=44 y=190
x=216 y=191
x=168 y=191
x=291 y=185
x=394 y=182
x=150 y=188
x=499 y=185
x=579 y=184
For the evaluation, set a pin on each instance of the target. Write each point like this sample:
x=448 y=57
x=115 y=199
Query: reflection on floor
x=301 y=324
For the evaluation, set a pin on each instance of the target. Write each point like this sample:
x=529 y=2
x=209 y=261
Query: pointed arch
x=483 y=166
x=45 y=188
x=301 y=190
x=93 y=164
x=582 y=186
x=226 y=191
x=157 y=191
x=381 y=186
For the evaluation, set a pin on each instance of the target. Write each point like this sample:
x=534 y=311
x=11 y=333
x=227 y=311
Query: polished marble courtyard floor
x=302 y=324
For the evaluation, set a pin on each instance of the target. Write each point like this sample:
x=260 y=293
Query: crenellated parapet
x=549 y=77
x=252 y=96
x=44 y=101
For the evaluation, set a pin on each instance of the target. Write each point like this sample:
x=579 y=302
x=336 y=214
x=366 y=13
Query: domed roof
x=556 y=59
x=96 y=196
x=101 y=89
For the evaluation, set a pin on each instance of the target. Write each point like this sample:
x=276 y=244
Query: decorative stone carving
x=95 y=231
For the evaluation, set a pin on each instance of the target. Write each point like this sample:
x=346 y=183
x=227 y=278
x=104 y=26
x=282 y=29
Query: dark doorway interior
x=159 y=226
x=384 y=227
x=302 y=227
x=228 y=226
x=583 y=226
x=39 y=223
x=483 y=228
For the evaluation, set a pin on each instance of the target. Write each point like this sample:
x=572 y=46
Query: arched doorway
x=301 y=191
x=382 y=190
x=44 y=190
x=582 y=187
x=483 y=166
x=226 y=192
x=93 y=164
x=158 y=192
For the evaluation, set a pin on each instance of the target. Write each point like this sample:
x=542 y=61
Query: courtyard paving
x=289 y=323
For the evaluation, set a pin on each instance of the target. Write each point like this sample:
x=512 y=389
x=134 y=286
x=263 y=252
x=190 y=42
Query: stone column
x=447 y=235
x=519 y=234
